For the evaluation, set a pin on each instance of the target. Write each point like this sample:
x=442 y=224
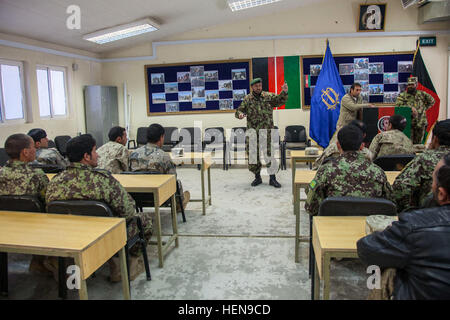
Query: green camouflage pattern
x=391 y=142
x=82 y=182
x=113 y=157
x=349 y=109
x=422 y=101
x=51 y=156
x=254 y=151
x=18 y=178
x=351 y=175
x=333 y=151
x=152 y=158
x=413 y=184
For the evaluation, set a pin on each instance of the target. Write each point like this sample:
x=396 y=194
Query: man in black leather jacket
x=417 y=245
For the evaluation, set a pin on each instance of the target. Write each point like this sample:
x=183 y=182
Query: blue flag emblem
x=326 y=102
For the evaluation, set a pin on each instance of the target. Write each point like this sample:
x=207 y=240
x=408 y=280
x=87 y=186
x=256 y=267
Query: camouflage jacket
x=333 y=151
x=349 y=108
x=422 y=101
x=259 y=109
x=352 y=175
x=51 y=156
x=413 y=184
x=391 y=142
x=113 y=157
x=151 y=157
x=18 y=178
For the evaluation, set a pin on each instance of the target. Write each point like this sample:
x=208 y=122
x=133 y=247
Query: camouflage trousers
x=417 y=133
x=257 y=143
x=387 y=286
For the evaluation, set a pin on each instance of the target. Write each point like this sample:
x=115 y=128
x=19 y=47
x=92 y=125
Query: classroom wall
x=328 y=17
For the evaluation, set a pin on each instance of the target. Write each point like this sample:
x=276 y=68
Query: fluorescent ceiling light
x=122 y=31
x=236 y=5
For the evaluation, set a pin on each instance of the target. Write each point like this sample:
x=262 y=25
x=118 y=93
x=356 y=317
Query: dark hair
x=154 y=132
x=37 y=134
x=443 y=174
x=442 y=131
x=398 y=122
x=78 y=146
x=115 y=133
x=16 y=143
x=359 y=124
x=354 y=85
x=350 y=138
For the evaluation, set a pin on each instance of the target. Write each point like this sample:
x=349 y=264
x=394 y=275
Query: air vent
x=408 y=3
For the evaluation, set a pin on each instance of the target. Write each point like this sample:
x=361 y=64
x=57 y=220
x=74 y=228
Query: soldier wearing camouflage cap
x=44 y=154
x=350 y=174
x=419 y=102
x=413 y=184
x=81 y=182
x=114 y=156
x=258 y=108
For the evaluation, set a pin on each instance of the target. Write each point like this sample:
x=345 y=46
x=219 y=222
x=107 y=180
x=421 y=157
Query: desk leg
x=209 y=185
x=316 y=282
x=326 y=276
x=4 y=273
x=174 y=220
x=124 y=274
x=293 y=173
x=297 y=222
x=83 y=287
x=158 y=231
x=202 y=173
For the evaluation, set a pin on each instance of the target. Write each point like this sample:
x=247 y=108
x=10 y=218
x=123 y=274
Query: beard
x=411 y=90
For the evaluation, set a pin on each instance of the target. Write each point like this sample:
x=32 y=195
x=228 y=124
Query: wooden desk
x=163 y=187
x=301 y=181
x=300 y=156
x=205 y=161
x=91 y=241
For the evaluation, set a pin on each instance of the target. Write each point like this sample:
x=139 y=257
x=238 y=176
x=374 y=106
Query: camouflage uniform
x=113 y=157
x=391 y=142
x=352 y=175
x=333 y=151
x=82 y=182
x=422 y=101
x=413 y=184
x=259 y=111
x=51 y=156
x=18 y=178
x=349 y=108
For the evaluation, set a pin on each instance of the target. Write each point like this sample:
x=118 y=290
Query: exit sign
x=427 y=41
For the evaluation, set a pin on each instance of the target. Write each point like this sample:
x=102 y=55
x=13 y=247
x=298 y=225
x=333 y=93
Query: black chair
x=295 y=138
x=16 y=203
x=100 y=209
x=47 y=168
x=146 y=200
x=191 y=139
x=3 y=157
x=51 y=144
x=141 y=136
x=214 y=139
x=171 y=137
x=61 y=142
x=347 y=206
x=393 y=162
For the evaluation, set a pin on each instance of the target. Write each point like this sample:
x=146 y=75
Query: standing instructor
x=258 y=108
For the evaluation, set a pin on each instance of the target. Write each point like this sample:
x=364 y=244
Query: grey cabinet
x=101 y=110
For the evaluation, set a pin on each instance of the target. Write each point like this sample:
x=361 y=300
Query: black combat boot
x=257 y=180
x=274 y=182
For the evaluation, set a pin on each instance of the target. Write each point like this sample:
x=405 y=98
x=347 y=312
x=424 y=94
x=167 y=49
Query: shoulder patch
x=313 y=184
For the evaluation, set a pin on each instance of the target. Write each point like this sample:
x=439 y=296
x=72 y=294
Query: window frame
x=3 y=119
x=50 y=68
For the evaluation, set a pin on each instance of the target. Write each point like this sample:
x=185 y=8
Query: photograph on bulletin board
x=197 y=87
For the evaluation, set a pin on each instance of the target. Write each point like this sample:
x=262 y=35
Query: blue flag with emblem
x=326 y=101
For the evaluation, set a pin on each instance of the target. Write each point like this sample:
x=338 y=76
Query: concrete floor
x=242 y=249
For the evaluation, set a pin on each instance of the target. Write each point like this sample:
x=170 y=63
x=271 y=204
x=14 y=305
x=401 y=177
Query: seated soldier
x=44 y=154
x=393 y=141
x=81 y=182
x=113 y=156
x=416 y=246
x=153 y=157
x=350 y=174
x=18 y=178
x=413 y=184
x=333 y=151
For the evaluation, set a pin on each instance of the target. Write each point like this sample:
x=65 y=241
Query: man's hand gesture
x=285 y=88
x=242 y=116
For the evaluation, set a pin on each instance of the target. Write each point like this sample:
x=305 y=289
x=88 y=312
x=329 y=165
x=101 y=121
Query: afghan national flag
x=425 y=84
x=376 y=120
x=275 y=71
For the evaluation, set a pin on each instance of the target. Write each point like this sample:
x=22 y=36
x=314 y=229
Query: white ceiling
x=45 y=20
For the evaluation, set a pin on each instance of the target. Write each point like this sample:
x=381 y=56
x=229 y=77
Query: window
x=11 y=90
x=52 y=91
